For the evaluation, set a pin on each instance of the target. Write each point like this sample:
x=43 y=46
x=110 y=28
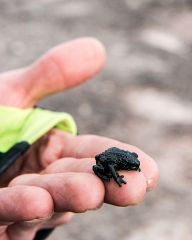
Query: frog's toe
x=120 y=181
x=123 y=181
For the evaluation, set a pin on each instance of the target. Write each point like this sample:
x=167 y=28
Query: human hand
x=58 y=168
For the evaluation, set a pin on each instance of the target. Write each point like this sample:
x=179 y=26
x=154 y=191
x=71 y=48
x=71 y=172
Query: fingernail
x=39 y=220
x=31 y=224
x=150 y=184
x=34 y=221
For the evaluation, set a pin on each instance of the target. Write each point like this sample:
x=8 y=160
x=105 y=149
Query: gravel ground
x=142 y=97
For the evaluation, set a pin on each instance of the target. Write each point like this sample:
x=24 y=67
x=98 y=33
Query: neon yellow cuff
x=28 y=125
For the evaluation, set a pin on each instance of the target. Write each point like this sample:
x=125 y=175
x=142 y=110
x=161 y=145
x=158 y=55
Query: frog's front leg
x=100 y=172
x=118 y=178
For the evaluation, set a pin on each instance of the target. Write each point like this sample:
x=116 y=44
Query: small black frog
x=112 y=160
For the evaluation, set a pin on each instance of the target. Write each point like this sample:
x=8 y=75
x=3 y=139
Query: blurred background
x=142 y=97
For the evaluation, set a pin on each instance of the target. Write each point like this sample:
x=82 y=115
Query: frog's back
x=115 y=150
x=116 y=153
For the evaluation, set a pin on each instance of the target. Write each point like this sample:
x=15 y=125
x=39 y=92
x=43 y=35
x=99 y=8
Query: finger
x=62 y=67
x=129 y=194
x=58 y=219
x=71 y=192
x=27 y=230
x=22 y=203
x=51 y=148
x=87 y=146
x=23 y=230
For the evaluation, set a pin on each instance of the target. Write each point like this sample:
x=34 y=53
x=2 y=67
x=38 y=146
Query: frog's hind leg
x=100 y=172
x=118 y=178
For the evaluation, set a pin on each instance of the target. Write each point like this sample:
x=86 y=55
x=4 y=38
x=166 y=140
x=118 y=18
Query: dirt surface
x=142 y=97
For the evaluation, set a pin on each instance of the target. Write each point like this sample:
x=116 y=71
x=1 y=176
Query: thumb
x=62 y=67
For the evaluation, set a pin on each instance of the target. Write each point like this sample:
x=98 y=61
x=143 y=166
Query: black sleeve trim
x=43 y=234
x=9 y=157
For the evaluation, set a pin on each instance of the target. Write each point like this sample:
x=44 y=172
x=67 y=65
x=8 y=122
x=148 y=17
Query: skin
x=55 y=179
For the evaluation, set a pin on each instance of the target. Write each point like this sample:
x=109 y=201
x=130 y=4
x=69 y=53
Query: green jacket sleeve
x=19 y=128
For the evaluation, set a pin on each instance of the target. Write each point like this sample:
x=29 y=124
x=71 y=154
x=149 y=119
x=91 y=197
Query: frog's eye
x=100 y=157
x=97 y=157
x=135 y=154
